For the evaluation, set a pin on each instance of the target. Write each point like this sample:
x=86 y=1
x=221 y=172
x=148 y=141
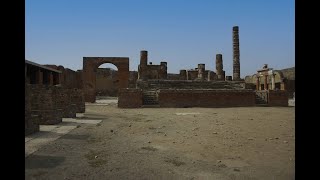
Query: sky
x=184 y=33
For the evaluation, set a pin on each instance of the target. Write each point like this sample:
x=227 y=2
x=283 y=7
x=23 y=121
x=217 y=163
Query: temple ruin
x=53 y=92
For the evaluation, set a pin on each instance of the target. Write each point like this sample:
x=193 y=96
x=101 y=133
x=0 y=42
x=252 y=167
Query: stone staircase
x=183 y=84
x=150 y=98
x=260 y=100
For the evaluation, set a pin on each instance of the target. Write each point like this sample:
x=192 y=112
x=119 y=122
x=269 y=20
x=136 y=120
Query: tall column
x=219 y=66
x=272 y=82
x=201 y=69
x=265 y=82
x=236 y=54
x=258 y=83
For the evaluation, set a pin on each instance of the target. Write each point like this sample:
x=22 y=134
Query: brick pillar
x=236 y=54
x=183 y=74
x=50 y=78
x=265 y=82
x=39 y=77
x=258 y=83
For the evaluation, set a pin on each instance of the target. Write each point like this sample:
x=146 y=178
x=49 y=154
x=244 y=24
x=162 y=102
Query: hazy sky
x=184 y=33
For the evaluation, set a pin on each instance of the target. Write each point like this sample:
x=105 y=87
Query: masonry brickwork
x=205 y=98
x=130 y=98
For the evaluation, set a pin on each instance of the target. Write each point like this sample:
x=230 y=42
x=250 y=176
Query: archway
x=90 y=66
x=107 y=81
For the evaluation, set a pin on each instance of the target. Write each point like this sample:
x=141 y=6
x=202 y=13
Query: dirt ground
x=170 y=143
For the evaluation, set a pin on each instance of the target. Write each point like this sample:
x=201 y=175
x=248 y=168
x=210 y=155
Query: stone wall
x=278 y=98
x=129 y=98
x=206 y=98
x=42 y=104
x=52 y=103
x=189 y=84
x=31 y=121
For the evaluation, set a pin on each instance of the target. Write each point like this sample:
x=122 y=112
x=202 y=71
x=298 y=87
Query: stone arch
x=278 y=76
x=90 y=66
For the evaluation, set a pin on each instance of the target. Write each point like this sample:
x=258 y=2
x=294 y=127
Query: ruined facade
x=199 y=87
x=49 y=97
x=150 y=71
x=269 y=79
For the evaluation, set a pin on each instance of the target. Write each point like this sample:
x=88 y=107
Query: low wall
x=190 y=84
x=278 y=98
x=52 y=103
x=129 y=98
x=206 y=98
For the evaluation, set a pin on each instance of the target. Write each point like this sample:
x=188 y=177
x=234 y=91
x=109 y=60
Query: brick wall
x=205 y=98
x=77 y=98
x=43 y=105
x=189 y=84
x=31 y=121
x=278 y=98
x=129 y=98
x=52 y=103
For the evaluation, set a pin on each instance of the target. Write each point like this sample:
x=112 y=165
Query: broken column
x=143 y=65
x=219 y=67
x=236 y=54
x=201 y=69
x=163 y=70
x=183 y=74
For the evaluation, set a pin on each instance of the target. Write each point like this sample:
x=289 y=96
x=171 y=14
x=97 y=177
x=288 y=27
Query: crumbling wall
x=42 y=104
x=129 y=98
x=31 y=121
x=180 y=98
x=52 y=103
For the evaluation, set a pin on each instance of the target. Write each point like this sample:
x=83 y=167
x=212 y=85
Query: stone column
x=273 y=82
x=187 y=74
x=283 y=84
x=143 y=58
x=265 y=82
x=209 y=76
x=258 y=83
x=236 y=54
x=201 y=69
x=219 y=66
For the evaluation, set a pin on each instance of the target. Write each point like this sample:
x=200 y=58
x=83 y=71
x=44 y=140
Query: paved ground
x=169 y=143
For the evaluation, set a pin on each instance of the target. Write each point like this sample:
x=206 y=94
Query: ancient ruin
x=150 y=71
x=53 y=92
x=50 y=95
x=90 y=66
